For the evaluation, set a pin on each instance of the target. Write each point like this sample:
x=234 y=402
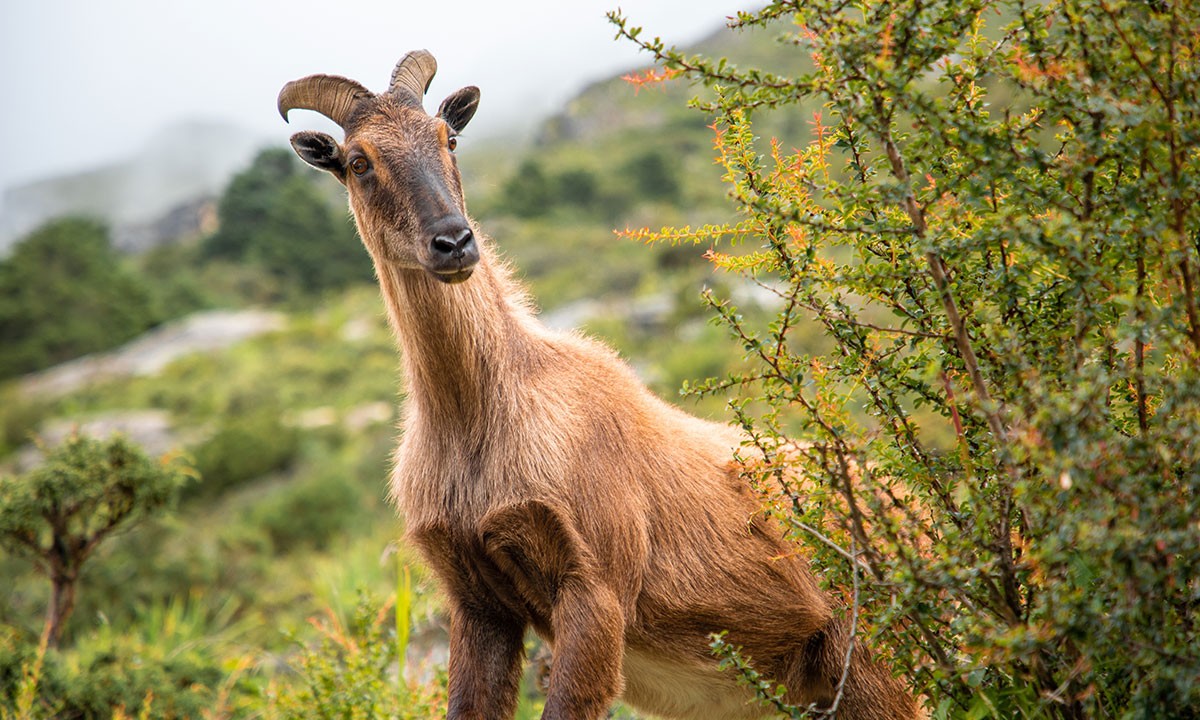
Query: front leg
x=486 y=649
x=487 y=633
x=585 y=677
x=535 y=545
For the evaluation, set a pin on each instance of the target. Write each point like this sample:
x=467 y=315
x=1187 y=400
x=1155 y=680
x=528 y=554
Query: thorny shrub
x=995 y=221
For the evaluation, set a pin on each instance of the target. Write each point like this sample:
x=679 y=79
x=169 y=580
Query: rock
x=153 y=351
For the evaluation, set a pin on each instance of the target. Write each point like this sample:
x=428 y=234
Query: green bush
x=19 y=416
x=202 y=551
x=170 y=273
x=107 y=673
x=655 y=176
x=578 y=187
x=996 y=226
x=528 y=193
x=122 y=671
x=247 y=444
x=351 y=673
x=64 y=292
x=20 y=673
x=310 y=513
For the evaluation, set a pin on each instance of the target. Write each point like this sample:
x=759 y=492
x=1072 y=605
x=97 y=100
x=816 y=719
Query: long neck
x=458 y=341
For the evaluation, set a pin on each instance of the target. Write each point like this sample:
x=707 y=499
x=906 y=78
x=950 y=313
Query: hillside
x=178 y=168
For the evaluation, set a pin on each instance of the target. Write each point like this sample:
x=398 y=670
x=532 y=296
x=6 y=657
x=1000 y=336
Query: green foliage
x=123 y=671
x=19 y=415
x=170 y=271
x=247 y=202
x=654 y=175
x=311 y=512
x=276 y=216
x=178 y=572
x=64 y=292
x=108 y=674
x=250 y=441
x=351 y=674
x=533 y=192
x=579 y=187
x=996 y=227
x=528 y=193
x=22 y=666
x=85 y=489
x=58 y=513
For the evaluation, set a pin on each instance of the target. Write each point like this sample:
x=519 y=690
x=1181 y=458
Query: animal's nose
x=454 y=243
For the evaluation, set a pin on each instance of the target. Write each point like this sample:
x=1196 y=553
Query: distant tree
x=64 y=292
x=528 y=193
x=278 y=218
x=246 y=203
x=248 y=442
x=655 y=176
x=170 y=271
x=58 y=513
x=305 y=243
x=578 y=187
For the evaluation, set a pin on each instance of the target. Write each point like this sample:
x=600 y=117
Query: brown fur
x=548 y=488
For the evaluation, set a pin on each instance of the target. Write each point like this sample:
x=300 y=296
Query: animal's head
x=397 y=163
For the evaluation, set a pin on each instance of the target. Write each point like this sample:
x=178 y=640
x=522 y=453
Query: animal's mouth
x=453 y=277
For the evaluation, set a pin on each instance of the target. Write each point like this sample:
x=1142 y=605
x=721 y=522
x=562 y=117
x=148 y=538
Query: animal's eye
x=452 y=143
x=359 y=165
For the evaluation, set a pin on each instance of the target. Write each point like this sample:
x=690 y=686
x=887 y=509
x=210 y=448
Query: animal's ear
x=458 y=109
x=321 y=151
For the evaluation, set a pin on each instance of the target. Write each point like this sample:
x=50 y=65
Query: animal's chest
x=473 y=576
x=498 y=523
x=454 y=478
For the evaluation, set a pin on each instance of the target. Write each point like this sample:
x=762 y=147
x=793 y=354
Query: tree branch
x=937 y=271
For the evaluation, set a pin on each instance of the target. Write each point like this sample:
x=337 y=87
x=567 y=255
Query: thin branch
x=826 y=540
x=937 y=270
x=1139 y=343
x=841 y=317
x=841 y=686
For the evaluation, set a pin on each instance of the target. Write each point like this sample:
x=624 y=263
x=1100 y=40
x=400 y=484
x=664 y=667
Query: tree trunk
x=62 y=602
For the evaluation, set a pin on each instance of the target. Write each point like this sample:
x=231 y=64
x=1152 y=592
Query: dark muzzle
x=453 y=252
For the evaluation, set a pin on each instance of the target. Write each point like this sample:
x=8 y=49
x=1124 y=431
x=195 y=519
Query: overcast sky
x=86 y=82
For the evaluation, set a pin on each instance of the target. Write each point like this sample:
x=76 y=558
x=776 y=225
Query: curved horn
x=413 y=74
x=331 y=95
